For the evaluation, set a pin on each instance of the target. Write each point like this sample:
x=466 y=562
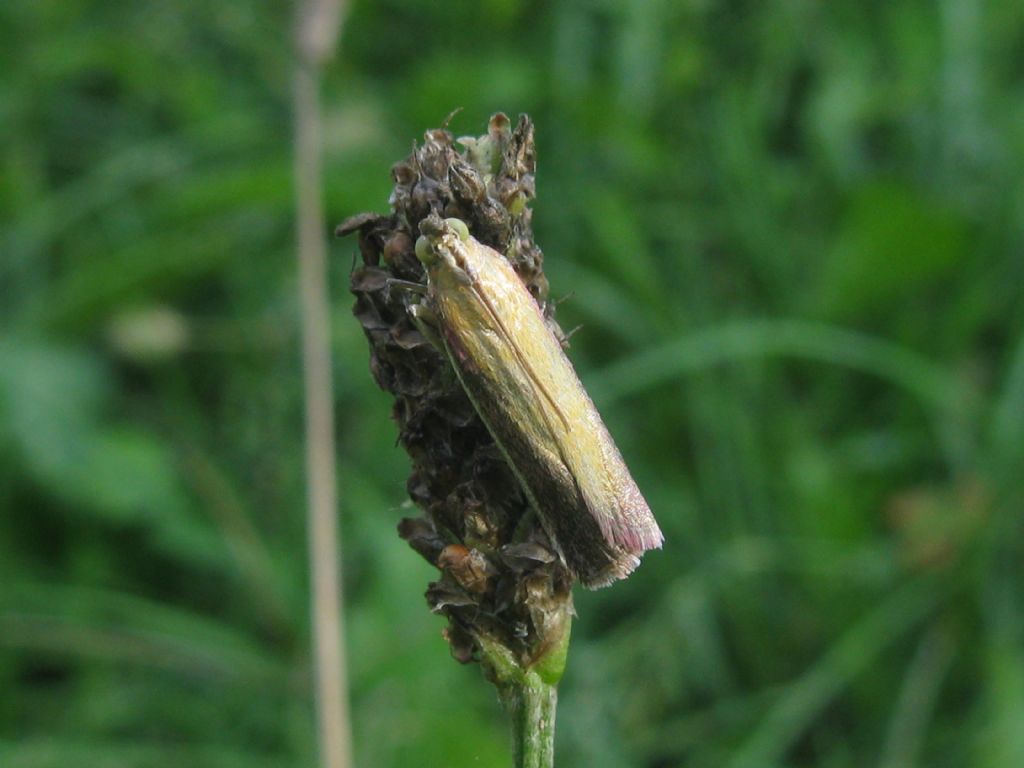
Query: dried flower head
x=501 y=580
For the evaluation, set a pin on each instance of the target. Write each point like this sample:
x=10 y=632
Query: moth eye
x=460 y=228
x=424 y=252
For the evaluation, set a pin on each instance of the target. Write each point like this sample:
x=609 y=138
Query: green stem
x=530 y=703
x=529 y=695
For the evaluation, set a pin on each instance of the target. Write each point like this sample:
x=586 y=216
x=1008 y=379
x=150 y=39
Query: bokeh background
x=793 y=233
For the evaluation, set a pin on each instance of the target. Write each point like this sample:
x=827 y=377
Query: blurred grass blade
x=917 y=699
x=58 y=753
x=128 y=629
x=796 y=706
x=1007 y=428
x=933 y=386
x=107 y=184
x=756 y=339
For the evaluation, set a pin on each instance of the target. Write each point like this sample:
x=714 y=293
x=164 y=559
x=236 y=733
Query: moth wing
x=575 y=427
x=611 y=494
x=529 y=396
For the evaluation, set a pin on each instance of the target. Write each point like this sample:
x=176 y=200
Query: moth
x=529 y=397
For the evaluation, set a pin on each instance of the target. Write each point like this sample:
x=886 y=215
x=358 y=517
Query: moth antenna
x=571 y=333
x=447 y=120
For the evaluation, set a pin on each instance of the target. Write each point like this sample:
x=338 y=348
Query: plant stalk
x=530 y=703
x=529 y=696
x=317 y=29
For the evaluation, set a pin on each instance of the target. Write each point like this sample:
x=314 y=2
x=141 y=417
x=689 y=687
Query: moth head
x=440 y=239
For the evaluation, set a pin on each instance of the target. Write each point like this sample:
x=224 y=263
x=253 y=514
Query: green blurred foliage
x=793 y=234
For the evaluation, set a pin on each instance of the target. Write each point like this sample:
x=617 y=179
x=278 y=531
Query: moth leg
x=421 y=315
x=407 y=285
x=425 y=320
